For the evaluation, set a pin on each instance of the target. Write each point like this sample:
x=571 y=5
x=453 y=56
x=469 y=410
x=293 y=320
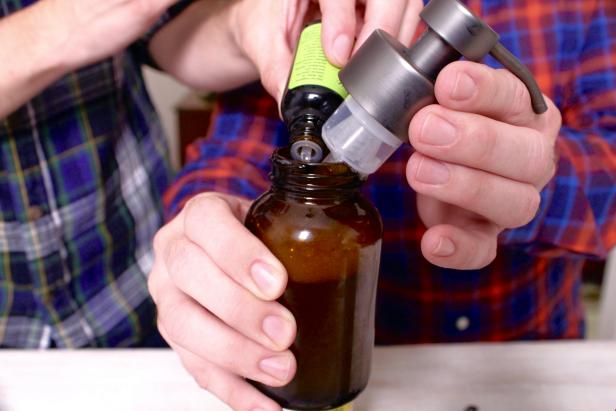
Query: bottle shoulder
x=352 y=218
x=316 y=241
x=309 y=99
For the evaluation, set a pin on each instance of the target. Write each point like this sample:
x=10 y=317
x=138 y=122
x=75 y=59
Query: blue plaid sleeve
x=234 y=157
x=578 y=211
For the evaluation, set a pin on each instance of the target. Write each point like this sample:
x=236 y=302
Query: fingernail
x=437 y=131
x=444 y=248
x=464 y=88
x=278 y=330
x=432 y=172
x=262 y=275
x=278 y=366
x=342 y=49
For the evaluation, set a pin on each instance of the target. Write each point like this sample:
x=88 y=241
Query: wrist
x=47 y=38
x=61 y=51
x=232 y=20
x=235 y=16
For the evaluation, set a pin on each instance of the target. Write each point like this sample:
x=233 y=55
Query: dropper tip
x=306 y=151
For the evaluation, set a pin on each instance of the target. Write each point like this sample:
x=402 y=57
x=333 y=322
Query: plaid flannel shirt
x=83 y=166
x=531 y=290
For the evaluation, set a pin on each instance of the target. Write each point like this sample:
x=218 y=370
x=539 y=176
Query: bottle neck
x=306 y=124
x=312 y=180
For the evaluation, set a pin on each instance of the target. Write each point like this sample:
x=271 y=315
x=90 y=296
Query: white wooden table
x=565 y=376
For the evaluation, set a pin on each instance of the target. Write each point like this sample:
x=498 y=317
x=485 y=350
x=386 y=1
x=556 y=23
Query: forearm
x=200 y=48
x=30 y=52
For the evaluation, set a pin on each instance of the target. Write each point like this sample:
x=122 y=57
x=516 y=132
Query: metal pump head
x=473 y=38
x=392 y=82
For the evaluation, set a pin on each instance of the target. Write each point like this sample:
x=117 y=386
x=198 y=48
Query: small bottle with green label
x=313 y=93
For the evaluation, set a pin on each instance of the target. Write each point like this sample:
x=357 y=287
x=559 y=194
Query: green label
x=311 y=67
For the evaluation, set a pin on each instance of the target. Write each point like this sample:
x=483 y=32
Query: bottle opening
x=293 y=175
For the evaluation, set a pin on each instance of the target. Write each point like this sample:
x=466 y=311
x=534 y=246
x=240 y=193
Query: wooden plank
x=502 y=377
x=569 y=376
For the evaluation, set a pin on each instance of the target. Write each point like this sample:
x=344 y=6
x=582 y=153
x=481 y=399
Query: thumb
x=338 y=32
x=275 y=70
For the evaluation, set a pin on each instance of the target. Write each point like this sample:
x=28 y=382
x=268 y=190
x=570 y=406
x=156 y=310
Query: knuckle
x=540 y=158
x=233 y=312
x=553 y=167
x=553 y=118
x=160 y=326
x=533 y=205
x=549 y=162
x=492 y=250
x=211 y=379
x=202 y=207
x=488 y=255
x=515 y=97
x=158 y=243
x=520 y=101
x=239 y=358
x=203 y=378
x=470 y=258
x=228 y=393
x=484 y=141
x=152 y=283
x=268 y=76
x=179 y=255
x=176 y=324
x=529 y=207
x=481 y=252
x=473 y=192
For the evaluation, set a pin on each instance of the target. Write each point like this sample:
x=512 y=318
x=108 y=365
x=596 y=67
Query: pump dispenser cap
x=385 y=83
x=474 y=39
x=389 y=83
x=392 y=82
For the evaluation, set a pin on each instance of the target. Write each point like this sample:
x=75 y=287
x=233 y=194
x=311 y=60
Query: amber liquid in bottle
x=328 y=236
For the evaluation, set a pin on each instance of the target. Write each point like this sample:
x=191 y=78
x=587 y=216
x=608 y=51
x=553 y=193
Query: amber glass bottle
x=313 y=93
x=328 y=236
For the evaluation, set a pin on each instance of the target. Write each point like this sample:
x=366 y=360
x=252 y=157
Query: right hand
x=214 y=284
x=92 y=30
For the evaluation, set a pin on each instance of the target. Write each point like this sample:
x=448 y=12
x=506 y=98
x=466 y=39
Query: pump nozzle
x=388 y=83
x=504 y=56
x=474 y=39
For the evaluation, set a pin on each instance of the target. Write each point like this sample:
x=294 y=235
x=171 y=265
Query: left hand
x=219 y=45
x=482 y=157
x=266 y=30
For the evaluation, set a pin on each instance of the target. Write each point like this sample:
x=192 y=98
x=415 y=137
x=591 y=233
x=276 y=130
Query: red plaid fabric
x=531 y=290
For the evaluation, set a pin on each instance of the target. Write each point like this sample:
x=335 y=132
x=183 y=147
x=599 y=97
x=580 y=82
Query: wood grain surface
x=564 y=376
